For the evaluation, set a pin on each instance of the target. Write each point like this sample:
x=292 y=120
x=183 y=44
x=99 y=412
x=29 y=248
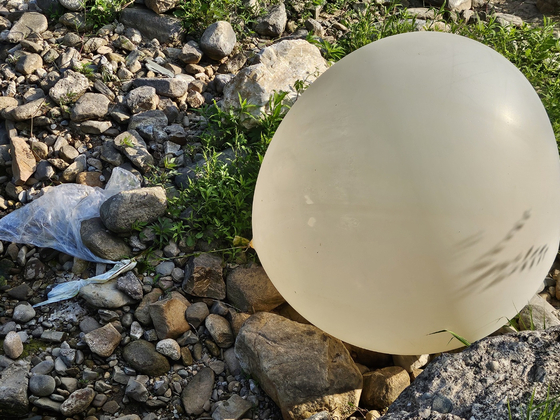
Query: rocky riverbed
x=188 y=335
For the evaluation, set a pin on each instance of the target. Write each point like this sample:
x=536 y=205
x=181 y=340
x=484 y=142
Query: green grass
x=103 y=12
x=549 y=409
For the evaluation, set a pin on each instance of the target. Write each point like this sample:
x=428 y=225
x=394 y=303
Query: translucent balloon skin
x=414 y=187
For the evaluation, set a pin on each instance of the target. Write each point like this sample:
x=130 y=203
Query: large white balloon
x=414 y=187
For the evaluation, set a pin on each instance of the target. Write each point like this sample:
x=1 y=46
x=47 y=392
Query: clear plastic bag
x=54 y=219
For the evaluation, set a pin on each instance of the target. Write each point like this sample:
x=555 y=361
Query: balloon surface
x=413 y=188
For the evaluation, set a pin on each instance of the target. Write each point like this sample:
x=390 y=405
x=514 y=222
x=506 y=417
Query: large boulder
x=277 y=68
x=481 y=381
x=304 y=370
x=143 y=205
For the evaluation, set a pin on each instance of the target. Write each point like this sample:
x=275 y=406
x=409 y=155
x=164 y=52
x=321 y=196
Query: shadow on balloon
x=489 y=269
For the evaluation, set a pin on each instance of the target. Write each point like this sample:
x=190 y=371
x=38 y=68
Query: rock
x=70 y=88
x=143 y=98
x=13 y=391
x=19 y=292
x=168 y=317
x=274 y=23
x=459 y=5
x=190 y=53
x=142 y=313
x=23 y=313
x=47 y=404
x=145 y=123
x=537 y=314
x=250 y=290
x=76 y=21
x=50 y=7
x=13 y=347
x=92 y=179
x=165 y=29
x=90 y=106
x=23 y=161
x=195 y=99
x=130 y=284
x=103 y=341
x=70 y=173
x=88 y=324
x=383 y=386
x=95 y=127
x=233 y=409
x=218 y=40
x=123 y=210
x=323 y=375
x=173 y=87
x=142 y=356
x=42 y=385
x=479 y=381
x=28 y=63
x=198 y=391
x=72 y=5
x=207 y=277
x=161 y=6
x=169 y=348
x=411 y=363
x=136 y=390
x=277 y=69
x=102 y=243
x=26 y=111
x=105 y=295
x=219 y=330
x=77 y=402
x=27 y=24
x=197 y=313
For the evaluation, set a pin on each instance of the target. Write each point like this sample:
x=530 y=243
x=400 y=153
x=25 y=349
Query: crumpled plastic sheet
x=54 y=220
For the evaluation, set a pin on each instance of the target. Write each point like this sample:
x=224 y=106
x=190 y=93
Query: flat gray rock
x=171 y=87
x=105 y=295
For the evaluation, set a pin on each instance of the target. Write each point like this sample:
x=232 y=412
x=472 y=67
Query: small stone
x=23 y=313
x=143 y=357
x=197 y=313
x=70 y=88
x=232 y=409
x=168 y=317
x=383 y=386
x=90 y=106
x=191 y=53
x=103 y=341
x=13 y=347
x=77 y=402
x=105 y=295
x=218 y=40
x=174 y=87
x=274 y=23
x=27 y=64
x=143 y=98
x=169 y=348
x=42 y=385
x=122 y=211
x=198 y=391
x=220 y=330
x=102 y=243
x=161 y=6
x=72 y=5
x=205 y=278
x=131 y=285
